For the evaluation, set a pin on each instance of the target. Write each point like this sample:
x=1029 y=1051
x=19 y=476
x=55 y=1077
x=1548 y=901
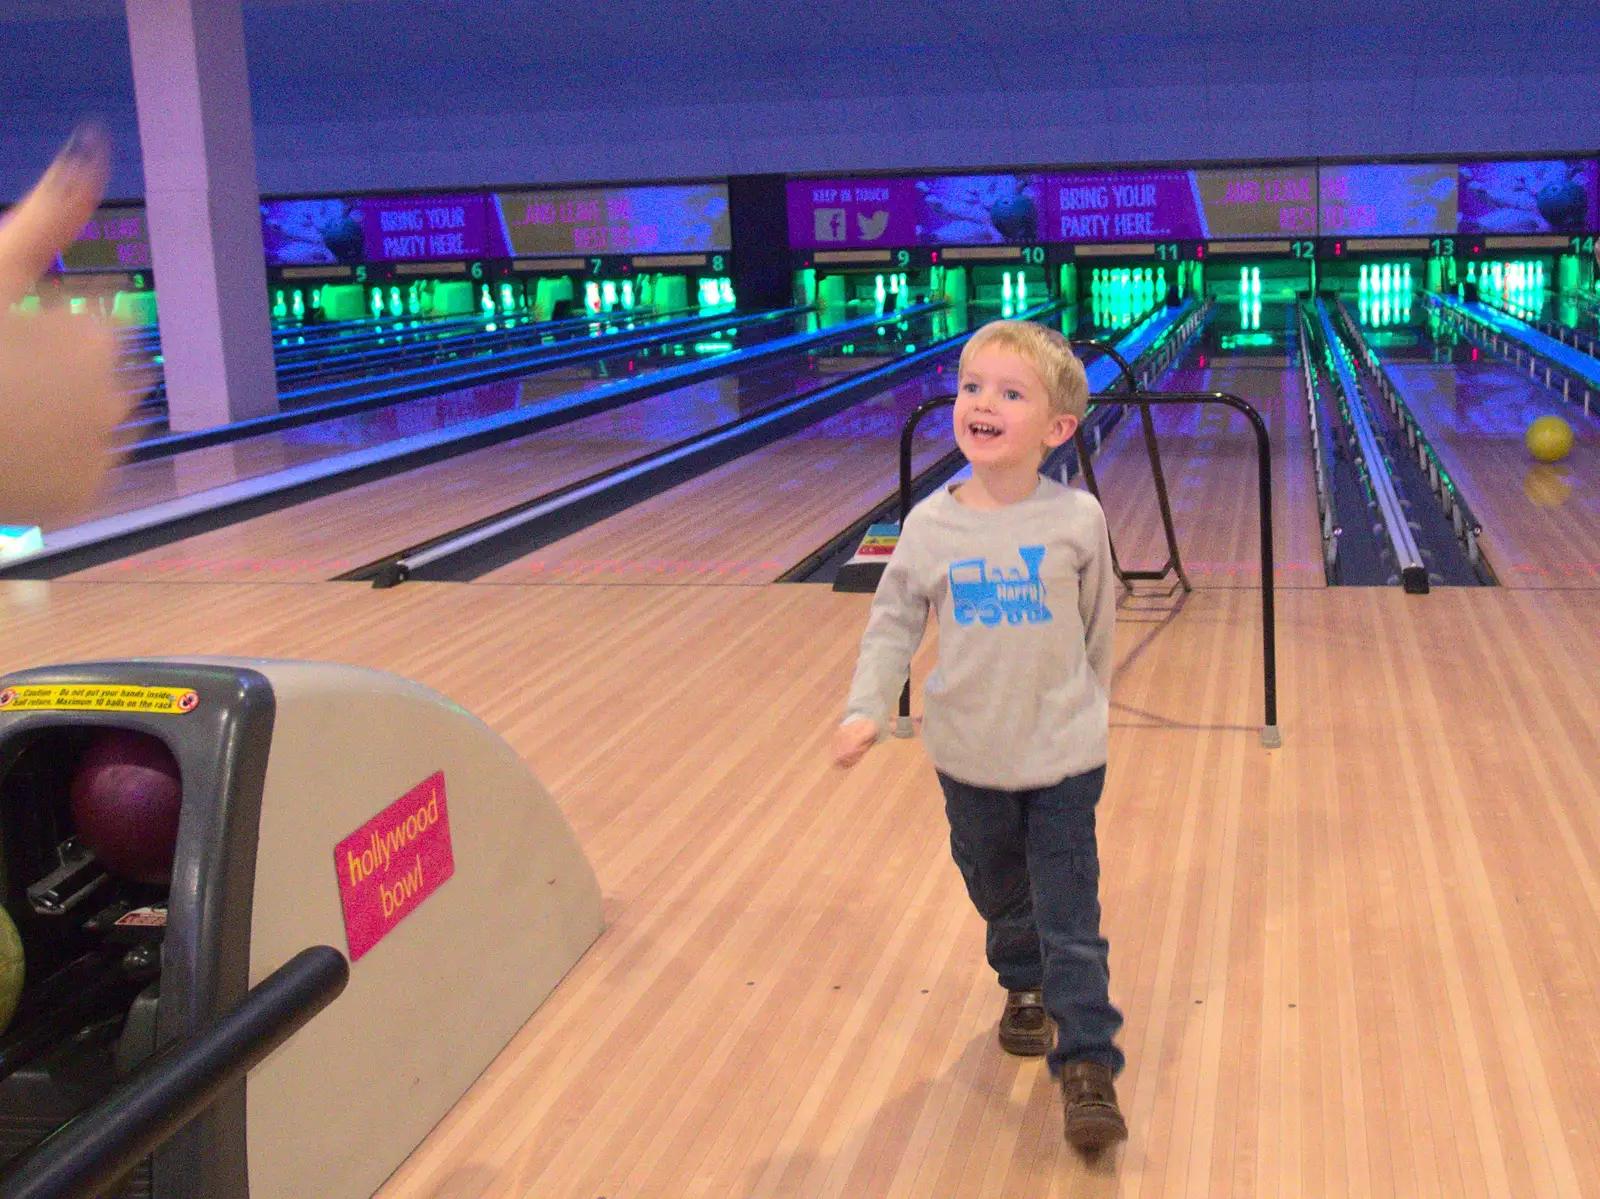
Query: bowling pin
x=725 y=291
x=1005 y=290
x=627 y=294
x=1022 y=290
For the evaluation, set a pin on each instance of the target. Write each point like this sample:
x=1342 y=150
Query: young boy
x=1018 y=568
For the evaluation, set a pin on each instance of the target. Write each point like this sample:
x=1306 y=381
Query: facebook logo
x=830 y=224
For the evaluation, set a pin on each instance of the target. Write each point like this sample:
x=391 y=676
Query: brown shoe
x=1025 y=1027
x=1093 y=1120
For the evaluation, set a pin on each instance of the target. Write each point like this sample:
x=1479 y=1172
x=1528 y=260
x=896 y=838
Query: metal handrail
x=177 y=1084
x=1174 y=562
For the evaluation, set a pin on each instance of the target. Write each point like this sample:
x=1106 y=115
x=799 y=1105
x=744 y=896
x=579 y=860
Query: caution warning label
x=100 y=697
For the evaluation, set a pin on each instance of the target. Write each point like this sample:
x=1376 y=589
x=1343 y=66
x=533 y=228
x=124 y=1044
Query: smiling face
x=1003 y=419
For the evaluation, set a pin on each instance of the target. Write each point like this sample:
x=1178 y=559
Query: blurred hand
x=851 y=742
x=58 y=399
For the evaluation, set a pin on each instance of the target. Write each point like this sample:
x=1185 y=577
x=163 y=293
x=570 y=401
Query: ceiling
x=601 y=71
x=310 y=58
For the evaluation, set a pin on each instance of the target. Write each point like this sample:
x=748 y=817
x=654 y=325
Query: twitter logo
x=871 y=228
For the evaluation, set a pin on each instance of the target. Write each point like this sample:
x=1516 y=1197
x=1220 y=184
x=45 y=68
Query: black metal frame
x=179 y=1083
x=1174 y=562
x=1271 y=737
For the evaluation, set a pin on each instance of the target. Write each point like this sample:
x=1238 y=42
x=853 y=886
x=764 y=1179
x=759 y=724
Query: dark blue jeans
x=1033 y=871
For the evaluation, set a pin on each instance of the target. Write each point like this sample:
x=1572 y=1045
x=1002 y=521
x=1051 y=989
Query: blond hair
x=1049 y=353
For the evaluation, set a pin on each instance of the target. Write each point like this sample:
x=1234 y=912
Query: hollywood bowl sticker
x=391 y=864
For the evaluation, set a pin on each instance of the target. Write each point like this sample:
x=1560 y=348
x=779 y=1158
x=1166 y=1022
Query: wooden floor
x=752 y=520
x=135 y=485
x=326 y=537
x=1366 y=964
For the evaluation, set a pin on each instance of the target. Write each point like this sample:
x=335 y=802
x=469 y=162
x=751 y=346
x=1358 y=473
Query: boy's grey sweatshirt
x=1026 y=600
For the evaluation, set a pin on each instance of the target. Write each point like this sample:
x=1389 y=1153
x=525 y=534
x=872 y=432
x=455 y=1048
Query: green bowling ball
x=12 y=969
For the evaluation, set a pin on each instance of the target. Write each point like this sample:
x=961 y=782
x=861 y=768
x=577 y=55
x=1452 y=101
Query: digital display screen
x=1388 y=200
x=945 y=210
x=1260 y=202
x=1182 y=205
x=845 y=213
x=1099 y=206
x=965 y=210
x=1124 y=206
x=354 y=229
x=1552 y=196
x=624 y=220
x=408 y=228
x=114 y=239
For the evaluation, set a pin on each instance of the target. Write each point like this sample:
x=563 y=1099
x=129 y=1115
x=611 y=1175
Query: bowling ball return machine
x=174 y=832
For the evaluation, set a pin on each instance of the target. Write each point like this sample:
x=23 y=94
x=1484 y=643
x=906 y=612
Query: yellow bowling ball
x=12 y=969
x=1549 y=439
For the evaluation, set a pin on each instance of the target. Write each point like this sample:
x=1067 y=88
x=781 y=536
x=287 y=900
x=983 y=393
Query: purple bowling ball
x=126 y=796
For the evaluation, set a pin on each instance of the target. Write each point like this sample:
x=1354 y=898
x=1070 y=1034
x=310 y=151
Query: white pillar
x=202 y=204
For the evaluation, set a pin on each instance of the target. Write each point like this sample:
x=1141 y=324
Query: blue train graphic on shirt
x=984 y=596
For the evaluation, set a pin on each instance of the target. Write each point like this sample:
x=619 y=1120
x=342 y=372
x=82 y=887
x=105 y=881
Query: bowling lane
x=329 y=536
x=1208 y=456
x=750 y=521
x=1541 y=523
x=135 y=485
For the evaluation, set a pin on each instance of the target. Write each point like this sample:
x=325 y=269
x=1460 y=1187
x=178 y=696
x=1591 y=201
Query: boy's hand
x=58 y=400
x=851 y=742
